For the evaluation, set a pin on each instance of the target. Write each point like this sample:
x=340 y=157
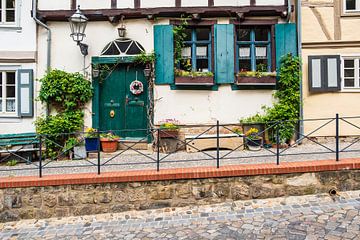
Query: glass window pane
x=261 y=34
x=1 y=105
x=202 y=65
x=202 y=52
x=261 y=65
x=187 y=34
x=349 y=83
x=186 y=52
x=1 y=91
x=10 y=105
x=244 y=52
x=10 y=77
x=261 y=52
x=349 y=73
x=10 y=3
x=0 y=78
x=349 y=63
x=10 y=15
x=244 y=65
x=350 y=4
x=10 y=91
x=202 y=34
x=243 y=34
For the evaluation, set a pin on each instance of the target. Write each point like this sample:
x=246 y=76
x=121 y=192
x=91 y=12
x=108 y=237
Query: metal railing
x=215 y=134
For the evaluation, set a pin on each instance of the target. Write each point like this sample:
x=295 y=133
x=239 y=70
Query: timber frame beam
x=106 y=14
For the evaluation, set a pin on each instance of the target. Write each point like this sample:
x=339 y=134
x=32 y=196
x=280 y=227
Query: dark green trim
x=112 y=60
x=194 y=87
x=235 y=87
x=30 y=87
x=95 y=104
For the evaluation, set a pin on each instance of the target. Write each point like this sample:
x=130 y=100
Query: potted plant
x=253 y=140
x=169 y=129
x=183 y=77
x=109 y=142
x=91 y=140
x=76 y=148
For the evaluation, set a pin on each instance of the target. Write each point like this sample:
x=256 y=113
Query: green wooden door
x=120 y=110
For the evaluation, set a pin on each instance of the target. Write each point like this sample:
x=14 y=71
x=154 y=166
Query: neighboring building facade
x=331 y=63
x=223 y=37
x=17 y=66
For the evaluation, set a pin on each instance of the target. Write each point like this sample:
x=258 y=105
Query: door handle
x=112 y=113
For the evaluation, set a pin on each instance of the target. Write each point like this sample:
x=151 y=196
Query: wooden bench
x=209 y=141
x=23 y=146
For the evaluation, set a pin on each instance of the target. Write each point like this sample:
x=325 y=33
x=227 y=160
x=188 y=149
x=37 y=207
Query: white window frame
x=3 y=113
x=16 y=23
x=355 y=58
x=357 y=7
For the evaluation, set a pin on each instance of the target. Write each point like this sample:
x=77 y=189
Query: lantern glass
x=78 y=24
x=122 y=31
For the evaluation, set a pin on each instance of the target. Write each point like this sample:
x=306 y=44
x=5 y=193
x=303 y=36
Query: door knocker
x=112 y=113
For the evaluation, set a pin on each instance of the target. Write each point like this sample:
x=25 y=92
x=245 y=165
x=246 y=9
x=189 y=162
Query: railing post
x=40 y=156
x=158 y=150
x=98 y=154
x=337 y=136
x=277 y=145
x=217 y=144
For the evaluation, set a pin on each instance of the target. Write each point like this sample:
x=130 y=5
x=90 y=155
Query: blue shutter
x=286 y=41
x=164 y=50
x=224 y=53
x=25 y=96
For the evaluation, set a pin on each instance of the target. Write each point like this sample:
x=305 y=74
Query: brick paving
x=304 y=217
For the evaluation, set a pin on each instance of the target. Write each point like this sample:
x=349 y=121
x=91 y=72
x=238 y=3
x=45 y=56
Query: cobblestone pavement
x=131 y=160
x=305 y=217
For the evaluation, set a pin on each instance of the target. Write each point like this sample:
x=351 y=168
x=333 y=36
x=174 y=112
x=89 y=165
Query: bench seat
x=209 y=141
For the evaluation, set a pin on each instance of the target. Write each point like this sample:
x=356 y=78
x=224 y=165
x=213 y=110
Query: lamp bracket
x=83 y=48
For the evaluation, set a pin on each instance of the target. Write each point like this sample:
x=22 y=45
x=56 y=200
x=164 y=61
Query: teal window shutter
x=286 y=41
x=25 y=93
x=164 y=50
x=224 y=53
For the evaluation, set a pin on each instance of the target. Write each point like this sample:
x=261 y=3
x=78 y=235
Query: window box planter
x=264 y=80
x=167 y=133
x=109 y=145
x=91 y=144
x=189 y=80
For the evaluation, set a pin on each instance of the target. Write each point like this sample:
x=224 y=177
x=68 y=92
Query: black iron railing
x=214 y=133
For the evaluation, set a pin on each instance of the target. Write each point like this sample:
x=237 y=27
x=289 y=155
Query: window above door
x=8 y=11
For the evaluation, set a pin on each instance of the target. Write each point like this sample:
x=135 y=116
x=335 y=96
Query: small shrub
x=12 y=163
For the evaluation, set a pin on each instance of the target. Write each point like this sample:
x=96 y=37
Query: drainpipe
x=288 y=15
x=48 y=56
x=299 y=29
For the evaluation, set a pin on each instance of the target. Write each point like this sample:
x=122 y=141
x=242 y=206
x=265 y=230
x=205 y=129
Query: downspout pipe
x=288 y=15
x=48 y=55
x=299 y=30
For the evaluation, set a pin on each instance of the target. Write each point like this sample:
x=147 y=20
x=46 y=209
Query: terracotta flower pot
x=109 y=145
x=165 y=133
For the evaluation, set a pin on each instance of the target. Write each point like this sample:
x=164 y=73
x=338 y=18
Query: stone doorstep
x=181 y=173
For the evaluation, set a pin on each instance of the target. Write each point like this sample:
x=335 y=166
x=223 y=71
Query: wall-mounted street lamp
x=122 y=28
x=78 y=23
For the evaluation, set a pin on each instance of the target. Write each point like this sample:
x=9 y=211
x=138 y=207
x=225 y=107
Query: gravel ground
x=131 y=160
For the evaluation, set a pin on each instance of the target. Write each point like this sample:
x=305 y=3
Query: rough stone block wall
x=74 y=200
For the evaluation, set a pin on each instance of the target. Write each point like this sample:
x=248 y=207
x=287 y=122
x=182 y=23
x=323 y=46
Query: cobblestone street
x=305 y=217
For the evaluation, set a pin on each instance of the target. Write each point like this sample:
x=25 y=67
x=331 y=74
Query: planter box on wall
x=266 y=80
x=194 y=81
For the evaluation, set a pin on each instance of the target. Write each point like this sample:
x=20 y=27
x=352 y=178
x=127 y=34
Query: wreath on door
x=136 y=87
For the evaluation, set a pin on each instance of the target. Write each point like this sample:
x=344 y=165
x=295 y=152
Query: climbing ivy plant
x=179 y=38
x=287 y=101
x=66 y=94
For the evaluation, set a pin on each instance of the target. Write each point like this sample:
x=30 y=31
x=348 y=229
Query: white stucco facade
x=18 y=50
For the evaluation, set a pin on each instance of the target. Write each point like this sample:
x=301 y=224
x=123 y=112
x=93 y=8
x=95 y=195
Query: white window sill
x=14 y=27
x=9 y=118
x=350 y=90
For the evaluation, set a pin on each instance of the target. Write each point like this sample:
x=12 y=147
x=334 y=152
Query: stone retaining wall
x=69 y=200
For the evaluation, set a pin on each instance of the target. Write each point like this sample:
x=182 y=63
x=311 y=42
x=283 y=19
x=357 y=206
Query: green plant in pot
x=253 y=140
x=109 y=142
x=91 y=140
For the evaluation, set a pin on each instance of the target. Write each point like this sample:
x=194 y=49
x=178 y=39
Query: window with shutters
x=8 y=92
x=255 y=55
x=324 y=73
x=7 y=12
x=351 y=73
